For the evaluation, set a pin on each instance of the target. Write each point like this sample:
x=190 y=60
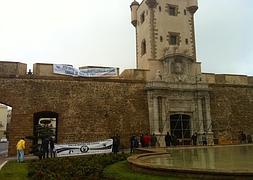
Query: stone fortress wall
x=89 y=109
x=94 y=108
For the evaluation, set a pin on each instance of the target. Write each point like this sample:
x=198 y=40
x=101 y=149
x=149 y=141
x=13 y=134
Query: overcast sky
x=99 y=32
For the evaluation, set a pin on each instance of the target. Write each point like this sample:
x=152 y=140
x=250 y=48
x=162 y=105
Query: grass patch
x=122 y=171
x=14 y=171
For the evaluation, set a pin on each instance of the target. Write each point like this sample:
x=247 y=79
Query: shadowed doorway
x=43 y=122
x=181 y=128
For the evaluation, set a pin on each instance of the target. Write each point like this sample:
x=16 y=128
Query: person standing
x=168 y=139
x=114 y=144
x=249 y=139
x=153 y=140
x=45 y=148
x=194 y=139
x=174 y=140
x=118 y=143
x=132 y=143
x=20 y=150
x=146 y=140
x=204 y=140
x=142 y=140
x=51 y=144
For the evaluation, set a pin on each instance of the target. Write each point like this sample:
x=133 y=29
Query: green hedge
x=81 y=167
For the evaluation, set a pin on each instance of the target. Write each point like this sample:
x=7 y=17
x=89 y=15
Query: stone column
x=164 y=124
x=200 y=116
x=164 y=116
x=156 y=116
x=200 y=120
x=208 y=115
x=151 y=111
x=209 y=122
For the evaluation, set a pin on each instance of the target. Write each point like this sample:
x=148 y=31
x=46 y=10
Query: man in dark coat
x=194 y=139
x=114 y=144
x=118 y=143
x=45 y=147
x=132 y=143
x=51 y=144
x=142 y=140
x=168 y=139
x=153 y=140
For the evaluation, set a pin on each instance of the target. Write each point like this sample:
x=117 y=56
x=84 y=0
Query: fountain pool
x=220 y=161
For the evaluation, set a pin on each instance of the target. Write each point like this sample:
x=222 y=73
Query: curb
x=2 y=165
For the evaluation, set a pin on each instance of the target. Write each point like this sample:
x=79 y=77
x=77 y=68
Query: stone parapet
x=12 y=68
x=42 y=69
x=134 y=74
x=231 y=79
x=250 y=80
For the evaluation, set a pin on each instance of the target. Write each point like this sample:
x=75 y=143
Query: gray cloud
x=99 y=33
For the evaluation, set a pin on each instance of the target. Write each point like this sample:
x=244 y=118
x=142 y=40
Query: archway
x=5 y=119
x=45 y=123
x=180 y=127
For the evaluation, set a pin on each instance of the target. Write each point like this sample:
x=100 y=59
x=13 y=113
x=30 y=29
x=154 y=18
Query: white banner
x=69 y=70
x=65 y=69
x=83 y=148
x=98 y=72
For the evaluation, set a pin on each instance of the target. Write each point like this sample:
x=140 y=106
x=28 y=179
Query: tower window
x=142 y=17
x=173 y=40
x=186 y=41
x=143 y=47
x=184 y=12
x=161 y=39
x=172 y=10
x=160 y=9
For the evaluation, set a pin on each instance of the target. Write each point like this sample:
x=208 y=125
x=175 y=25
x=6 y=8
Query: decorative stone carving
x=178 y=67
x=158 y=76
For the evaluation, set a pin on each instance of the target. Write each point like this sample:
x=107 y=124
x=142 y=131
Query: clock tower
x=178 y=97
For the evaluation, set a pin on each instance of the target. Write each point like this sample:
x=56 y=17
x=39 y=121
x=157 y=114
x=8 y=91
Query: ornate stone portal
x=179 y=101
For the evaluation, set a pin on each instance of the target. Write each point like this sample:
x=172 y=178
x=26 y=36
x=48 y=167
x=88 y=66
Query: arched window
x=143 y=47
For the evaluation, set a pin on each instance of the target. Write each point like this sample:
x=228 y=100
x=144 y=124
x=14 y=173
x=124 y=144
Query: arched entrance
x=45 y=123
x=180 y=127
x=5 y=119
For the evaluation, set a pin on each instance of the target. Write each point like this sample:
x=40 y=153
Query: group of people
x=203 y=139
x=135 y=142
x=43 y=150
x=47 y=147
x=146 y=140
x=115 y=143
x=170 y=140
x=243 y=138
